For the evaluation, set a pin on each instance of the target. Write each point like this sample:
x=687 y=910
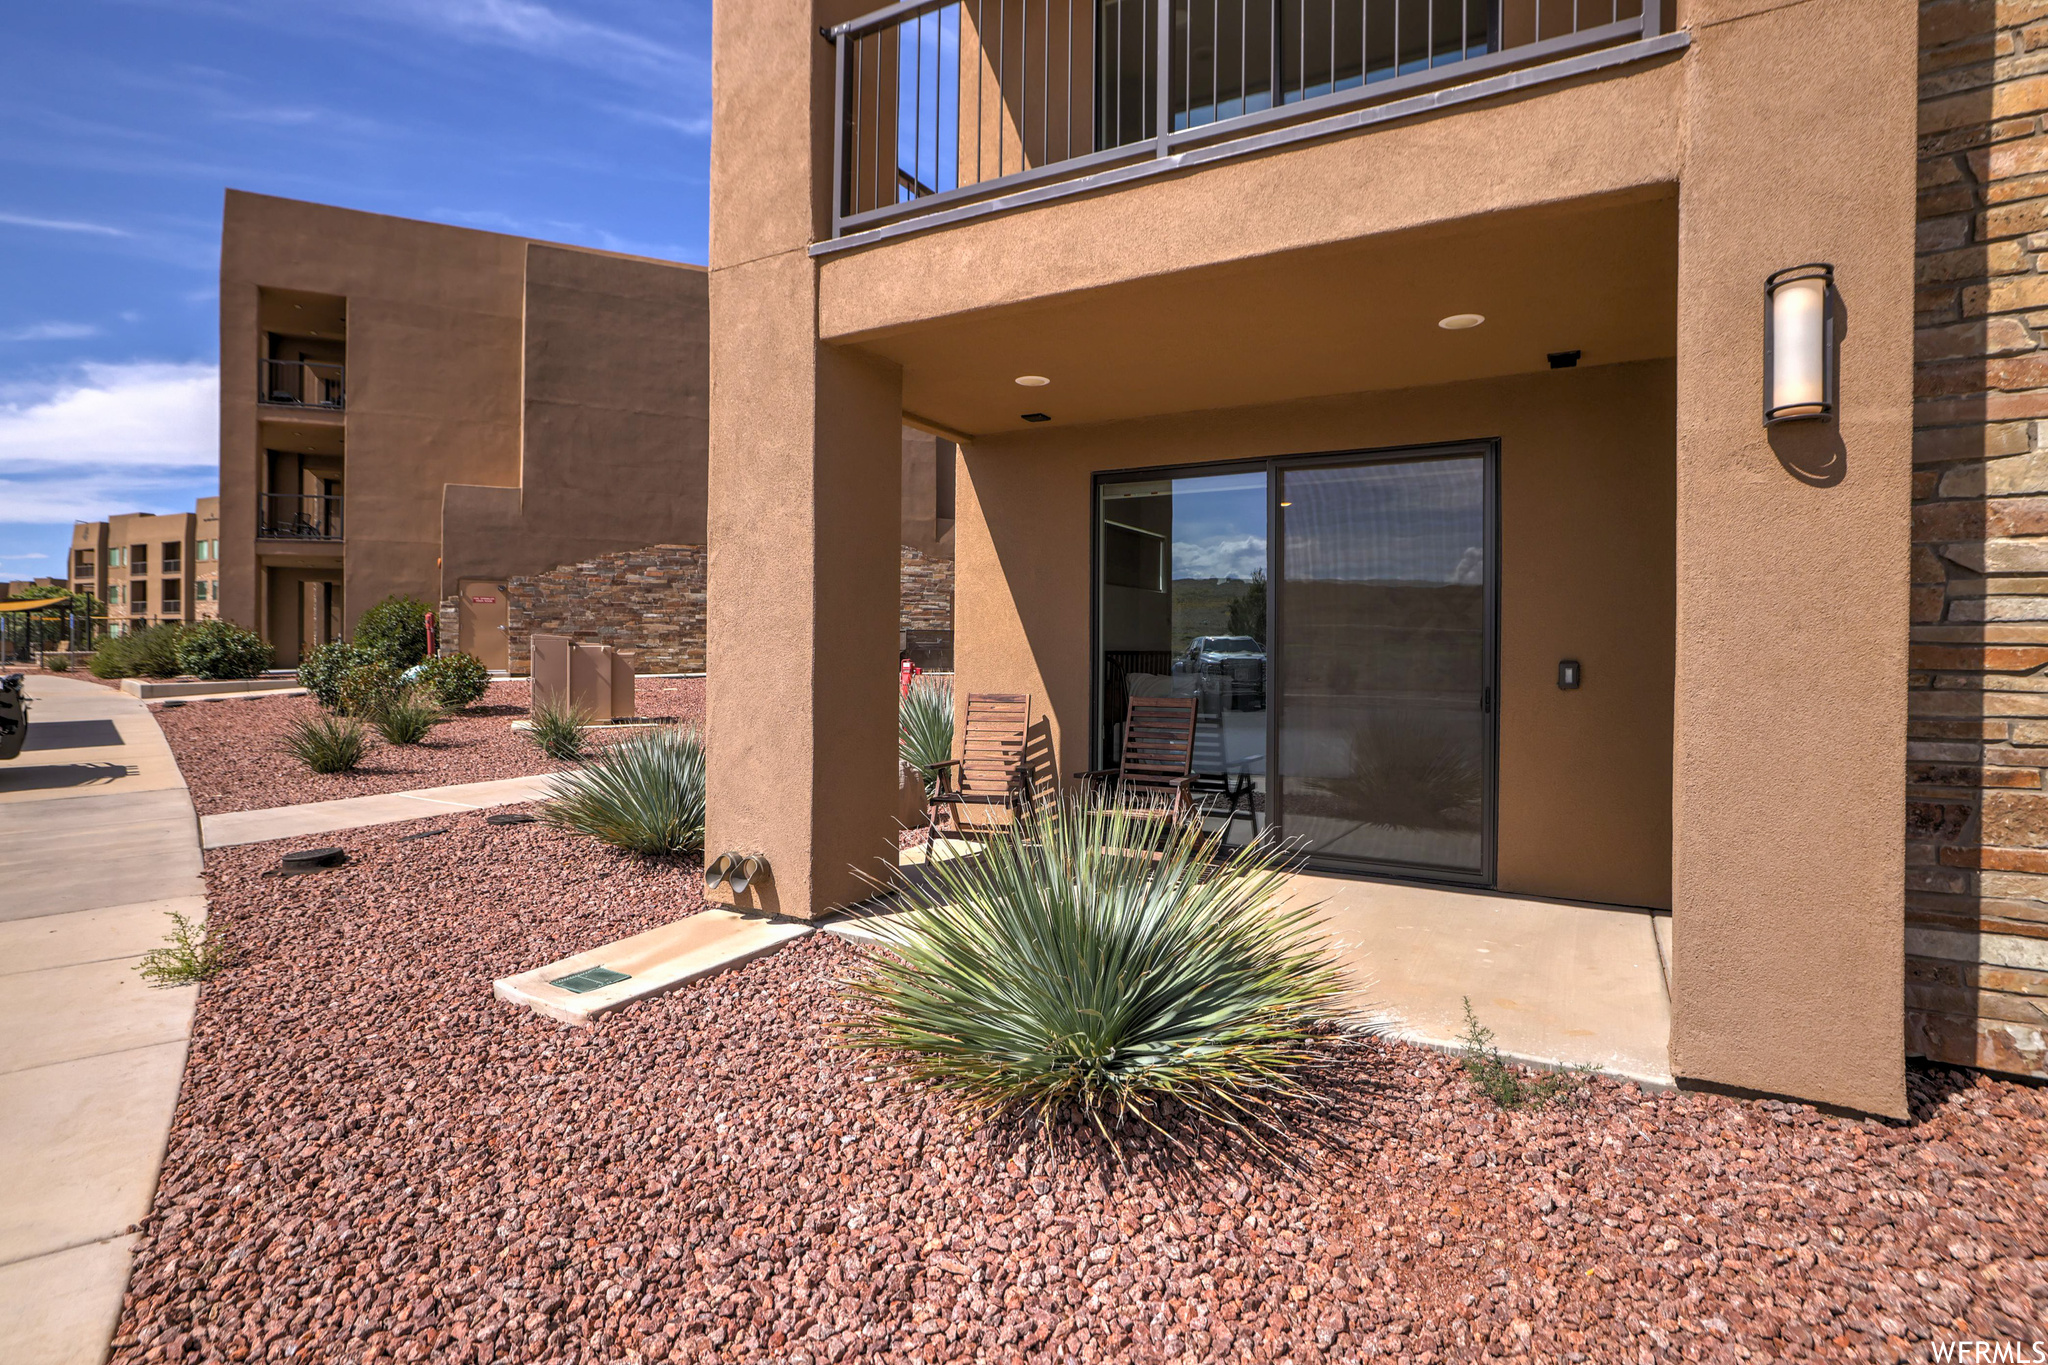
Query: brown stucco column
x=1788 y=797
x=805 y=489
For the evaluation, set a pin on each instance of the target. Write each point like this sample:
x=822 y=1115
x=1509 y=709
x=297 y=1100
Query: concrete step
x=654 y=963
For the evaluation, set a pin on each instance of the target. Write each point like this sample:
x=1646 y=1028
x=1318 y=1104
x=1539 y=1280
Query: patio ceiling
x=1598 y=277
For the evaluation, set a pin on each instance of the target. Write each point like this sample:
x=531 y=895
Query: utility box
x=596 y=679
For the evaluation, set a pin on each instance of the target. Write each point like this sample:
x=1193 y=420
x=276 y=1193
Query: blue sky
x=123 y=121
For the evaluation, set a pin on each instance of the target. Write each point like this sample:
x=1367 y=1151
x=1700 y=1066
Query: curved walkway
x=98 y=843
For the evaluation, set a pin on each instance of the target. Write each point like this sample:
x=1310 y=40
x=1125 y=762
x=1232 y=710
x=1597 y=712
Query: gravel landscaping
x=373 y=1159
x=232 y=756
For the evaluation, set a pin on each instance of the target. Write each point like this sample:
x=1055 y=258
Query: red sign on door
x=484 y=601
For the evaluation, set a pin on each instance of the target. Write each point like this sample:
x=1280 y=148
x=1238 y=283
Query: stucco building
x=512 y=429
x=1416 y=382
x=142 y=566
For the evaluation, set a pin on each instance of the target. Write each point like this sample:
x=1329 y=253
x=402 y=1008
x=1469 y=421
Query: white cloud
x=536 y=29
x=33 y=554
x=51 y=331
x=137 y=417
x=1230 y=558
x=60 y=225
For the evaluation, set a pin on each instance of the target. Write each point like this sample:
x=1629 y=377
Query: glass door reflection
x=1181 y=612
x=1383 y=651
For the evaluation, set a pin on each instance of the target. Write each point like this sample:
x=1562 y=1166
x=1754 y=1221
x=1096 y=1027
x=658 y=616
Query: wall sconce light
x=1799 y=344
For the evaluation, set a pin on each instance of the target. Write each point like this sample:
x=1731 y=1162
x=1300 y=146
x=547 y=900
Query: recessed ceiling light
x=1033 y=381
x=1458 y=322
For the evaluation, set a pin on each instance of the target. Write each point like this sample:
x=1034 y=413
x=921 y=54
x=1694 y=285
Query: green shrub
x=1106 y=965
x=457 y=680
x=924 y=727
x=114 y=657
x=368 y=687
x=321 y=670
x=408 y=717
x=58 y=663
x=557 y=728
x=644 y=794
x=153 y=653
x=191 y=953
x=222 y=649
x=395 y=630
x=327 y=744
x=1504 y=1083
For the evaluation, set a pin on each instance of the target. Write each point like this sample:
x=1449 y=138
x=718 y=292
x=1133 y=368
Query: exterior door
x=483 y=612
x=1383 y=640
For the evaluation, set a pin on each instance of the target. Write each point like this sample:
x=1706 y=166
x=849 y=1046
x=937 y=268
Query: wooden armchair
x=990 y=773
x=1158 y=757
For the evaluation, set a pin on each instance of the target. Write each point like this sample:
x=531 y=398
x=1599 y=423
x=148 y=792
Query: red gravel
x=372 y=1159
x=232 y=754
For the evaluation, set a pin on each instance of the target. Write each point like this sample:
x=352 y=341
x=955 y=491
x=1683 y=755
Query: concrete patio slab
x=61 y=1309
x=98 y=844
x=1558 y=983
x=357 y=812
x=656 y=962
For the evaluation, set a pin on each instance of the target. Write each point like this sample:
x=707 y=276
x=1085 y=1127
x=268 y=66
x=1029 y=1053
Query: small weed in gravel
x=191 y=953
x=1493 y=1076
x=327 y=744
x=558 y=730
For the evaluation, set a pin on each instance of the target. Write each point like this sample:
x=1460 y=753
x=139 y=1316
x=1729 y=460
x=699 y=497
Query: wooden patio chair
x=990 y=774
x=1157 y=769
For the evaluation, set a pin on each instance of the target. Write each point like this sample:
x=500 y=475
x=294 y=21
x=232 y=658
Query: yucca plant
x=327 y=744
x=644 y=794
x=1104 y=964
x=557 y=727
x=924 y=727
x=409 y=717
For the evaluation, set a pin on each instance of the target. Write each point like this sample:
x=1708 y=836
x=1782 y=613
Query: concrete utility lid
x=648 y=964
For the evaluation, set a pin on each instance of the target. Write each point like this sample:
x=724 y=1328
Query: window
x=204 y=552
x=138 y=559
x=171 y=594
x=116 y=557
x=138 y=596
x=173 y=554
x=114 y=594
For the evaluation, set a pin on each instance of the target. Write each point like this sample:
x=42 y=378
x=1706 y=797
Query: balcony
x=298 y=516
x=948 y=103
x=301 y=383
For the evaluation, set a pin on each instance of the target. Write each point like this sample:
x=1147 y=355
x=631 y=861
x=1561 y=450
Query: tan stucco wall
x=616 y=355
x=1585 y=573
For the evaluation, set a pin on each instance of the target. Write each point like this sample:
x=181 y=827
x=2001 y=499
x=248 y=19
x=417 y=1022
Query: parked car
x=1235 y=665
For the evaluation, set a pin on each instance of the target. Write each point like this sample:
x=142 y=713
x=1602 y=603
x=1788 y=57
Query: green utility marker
x=590 y=979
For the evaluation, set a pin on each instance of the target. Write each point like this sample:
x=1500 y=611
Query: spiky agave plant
x=924 y=727
x=1105 y=964
x=327 y=744
x=557 y=727
x=644 y=794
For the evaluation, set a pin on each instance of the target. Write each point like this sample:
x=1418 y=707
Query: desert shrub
x=1506 y=1084
x=153 y=653
x=408 y=717
x=644 y=794
x=456 y=680
x=396 y=631
x=327 y=744
x=222 y=649
x=57 y=663
x=114 y=657
x=321 y=670
x=369 y=686
x=924 y=727
x=1107 y=965
x=557 y=728
x=191 y=953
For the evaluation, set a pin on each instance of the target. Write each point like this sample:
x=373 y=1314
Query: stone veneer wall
x=1977 y=751
x=651 y=601
x=927 y=591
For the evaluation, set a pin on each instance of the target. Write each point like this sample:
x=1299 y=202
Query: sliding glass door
x=1333 y=612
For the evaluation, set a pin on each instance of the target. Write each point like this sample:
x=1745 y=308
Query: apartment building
x=142 y=566
x=34 y=587
x=1503 y=416
x=206 y=560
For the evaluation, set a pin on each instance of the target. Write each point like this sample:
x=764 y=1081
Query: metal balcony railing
x=301 y=383
x=298 y=516
x=947 y=101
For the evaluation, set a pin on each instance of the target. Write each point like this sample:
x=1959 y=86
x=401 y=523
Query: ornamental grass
x=1105 y=965
x=644 y=794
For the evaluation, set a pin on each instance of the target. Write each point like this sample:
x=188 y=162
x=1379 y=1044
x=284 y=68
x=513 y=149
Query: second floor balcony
x=299 y=516
x=945 y=103
x=301 y=383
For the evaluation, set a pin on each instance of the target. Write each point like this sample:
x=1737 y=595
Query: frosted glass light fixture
x=1799 y=344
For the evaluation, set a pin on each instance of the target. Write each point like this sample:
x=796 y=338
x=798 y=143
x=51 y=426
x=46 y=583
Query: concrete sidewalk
x=355 y=812
x=98 y=843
